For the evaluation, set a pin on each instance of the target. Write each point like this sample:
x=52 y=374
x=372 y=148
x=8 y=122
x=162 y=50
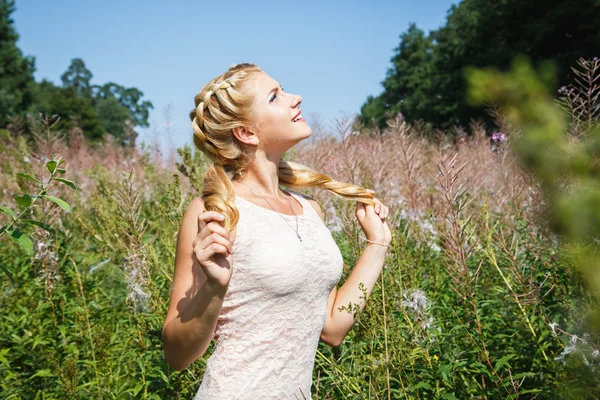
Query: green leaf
x=7 y=272
x=137 y=389
x=51 y=166
x=23 y=201
x=41 y=224
x=63 y=204
x=31 y=178
x=66 y=182
x=38 y=341
x=422 y=385
x=3 y=354
x=448 y=396
x=163 y=376
x=444 y=370
x=61 y=170
x=23 y=240
x=8 y=211
x=503 y=361
x=44 y=373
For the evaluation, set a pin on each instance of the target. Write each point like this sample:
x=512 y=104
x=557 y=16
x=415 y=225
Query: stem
x=492 y=257
x=89 y=327
x=387 y=361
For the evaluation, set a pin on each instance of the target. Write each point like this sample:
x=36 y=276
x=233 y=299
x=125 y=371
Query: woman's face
x=277 y=128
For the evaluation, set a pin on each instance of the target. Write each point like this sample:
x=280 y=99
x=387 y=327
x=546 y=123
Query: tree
x=16 y=71
x=96 y=109
x=112 y=116
x=130 y=98
x=77 y=77
x=407 y=84
x=50 y=99
x=427 y=77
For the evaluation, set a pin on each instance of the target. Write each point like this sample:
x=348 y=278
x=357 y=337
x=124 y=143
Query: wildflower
x=435 y=357
x=43 y=251
x=416 y=300
x=498 y=137
x=595 y=59
x=137 y=276
x=571 y=347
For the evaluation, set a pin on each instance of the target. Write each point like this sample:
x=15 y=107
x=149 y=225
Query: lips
x=296 y=116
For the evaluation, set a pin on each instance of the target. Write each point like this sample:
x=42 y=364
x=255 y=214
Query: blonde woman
x=256 y=268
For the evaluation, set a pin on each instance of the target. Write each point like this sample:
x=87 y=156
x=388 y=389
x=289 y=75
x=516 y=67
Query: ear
x=245 y=136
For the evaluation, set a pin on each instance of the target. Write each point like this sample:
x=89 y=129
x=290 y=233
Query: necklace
x=289 y=201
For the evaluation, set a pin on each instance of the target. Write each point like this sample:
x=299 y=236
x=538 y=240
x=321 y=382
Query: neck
x=262 y=176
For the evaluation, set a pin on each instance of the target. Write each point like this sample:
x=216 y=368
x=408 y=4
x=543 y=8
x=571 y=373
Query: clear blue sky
x=333 y=53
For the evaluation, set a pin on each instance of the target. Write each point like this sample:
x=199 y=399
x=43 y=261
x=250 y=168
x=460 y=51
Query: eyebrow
x=274 y=89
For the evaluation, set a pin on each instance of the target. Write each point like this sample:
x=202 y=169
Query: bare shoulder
x=189 y=223
x=313 y=203
x=196 y=204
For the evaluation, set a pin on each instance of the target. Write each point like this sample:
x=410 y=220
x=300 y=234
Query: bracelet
x=381 y=244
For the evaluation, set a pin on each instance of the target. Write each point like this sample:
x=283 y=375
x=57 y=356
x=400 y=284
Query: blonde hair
x=222 y=105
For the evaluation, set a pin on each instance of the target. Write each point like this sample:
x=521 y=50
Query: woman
x=256 y=267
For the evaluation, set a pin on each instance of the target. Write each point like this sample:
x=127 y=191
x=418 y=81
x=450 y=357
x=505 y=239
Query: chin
x=308 y=132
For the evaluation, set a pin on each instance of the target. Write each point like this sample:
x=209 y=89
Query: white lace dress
x=275 y=307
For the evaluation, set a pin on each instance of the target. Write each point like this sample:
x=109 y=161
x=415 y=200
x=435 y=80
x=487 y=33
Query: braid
x=198 y=119
x=298 y=176
x=222 y=105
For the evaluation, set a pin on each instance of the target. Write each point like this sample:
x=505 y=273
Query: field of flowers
x=476 y=299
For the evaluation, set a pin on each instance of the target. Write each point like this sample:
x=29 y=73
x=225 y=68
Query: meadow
x=476 y=299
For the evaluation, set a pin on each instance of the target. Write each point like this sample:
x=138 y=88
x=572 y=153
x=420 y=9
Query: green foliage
x=83 y=317
x=28 y=201
x=426 y=81
x=566 y=165
x=95 y=109
x=482 y=306
x=75 y=111
x=16 y=78
x=77 y=78
x=407 y=87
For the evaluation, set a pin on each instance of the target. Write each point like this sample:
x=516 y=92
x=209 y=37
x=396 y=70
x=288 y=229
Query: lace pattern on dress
x=269 y=327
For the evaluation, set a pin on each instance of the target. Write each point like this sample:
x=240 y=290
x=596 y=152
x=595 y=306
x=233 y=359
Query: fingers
x=210 y=226
x=211 y=231
x=378 y=207
x=209 y=252
x=211 y=245
x=381 y=209
x=208 y=216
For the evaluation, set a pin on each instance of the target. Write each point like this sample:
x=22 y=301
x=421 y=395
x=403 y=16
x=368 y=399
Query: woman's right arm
x=196 y=301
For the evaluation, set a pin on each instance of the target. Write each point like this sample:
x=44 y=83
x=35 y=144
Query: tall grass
x=474 y=301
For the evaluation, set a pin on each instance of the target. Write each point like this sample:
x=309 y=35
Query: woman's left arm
x=366 y=271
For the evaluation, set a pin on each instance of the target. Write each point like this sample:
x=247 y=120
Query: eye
x=274 y=96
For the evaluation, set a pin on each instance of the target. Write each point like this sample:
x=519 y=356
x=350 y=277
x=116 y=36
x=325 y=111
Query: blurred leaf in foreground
x=566 y=164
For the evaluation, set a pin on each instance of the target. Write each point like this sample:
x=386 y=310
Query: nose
x=297 y=99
